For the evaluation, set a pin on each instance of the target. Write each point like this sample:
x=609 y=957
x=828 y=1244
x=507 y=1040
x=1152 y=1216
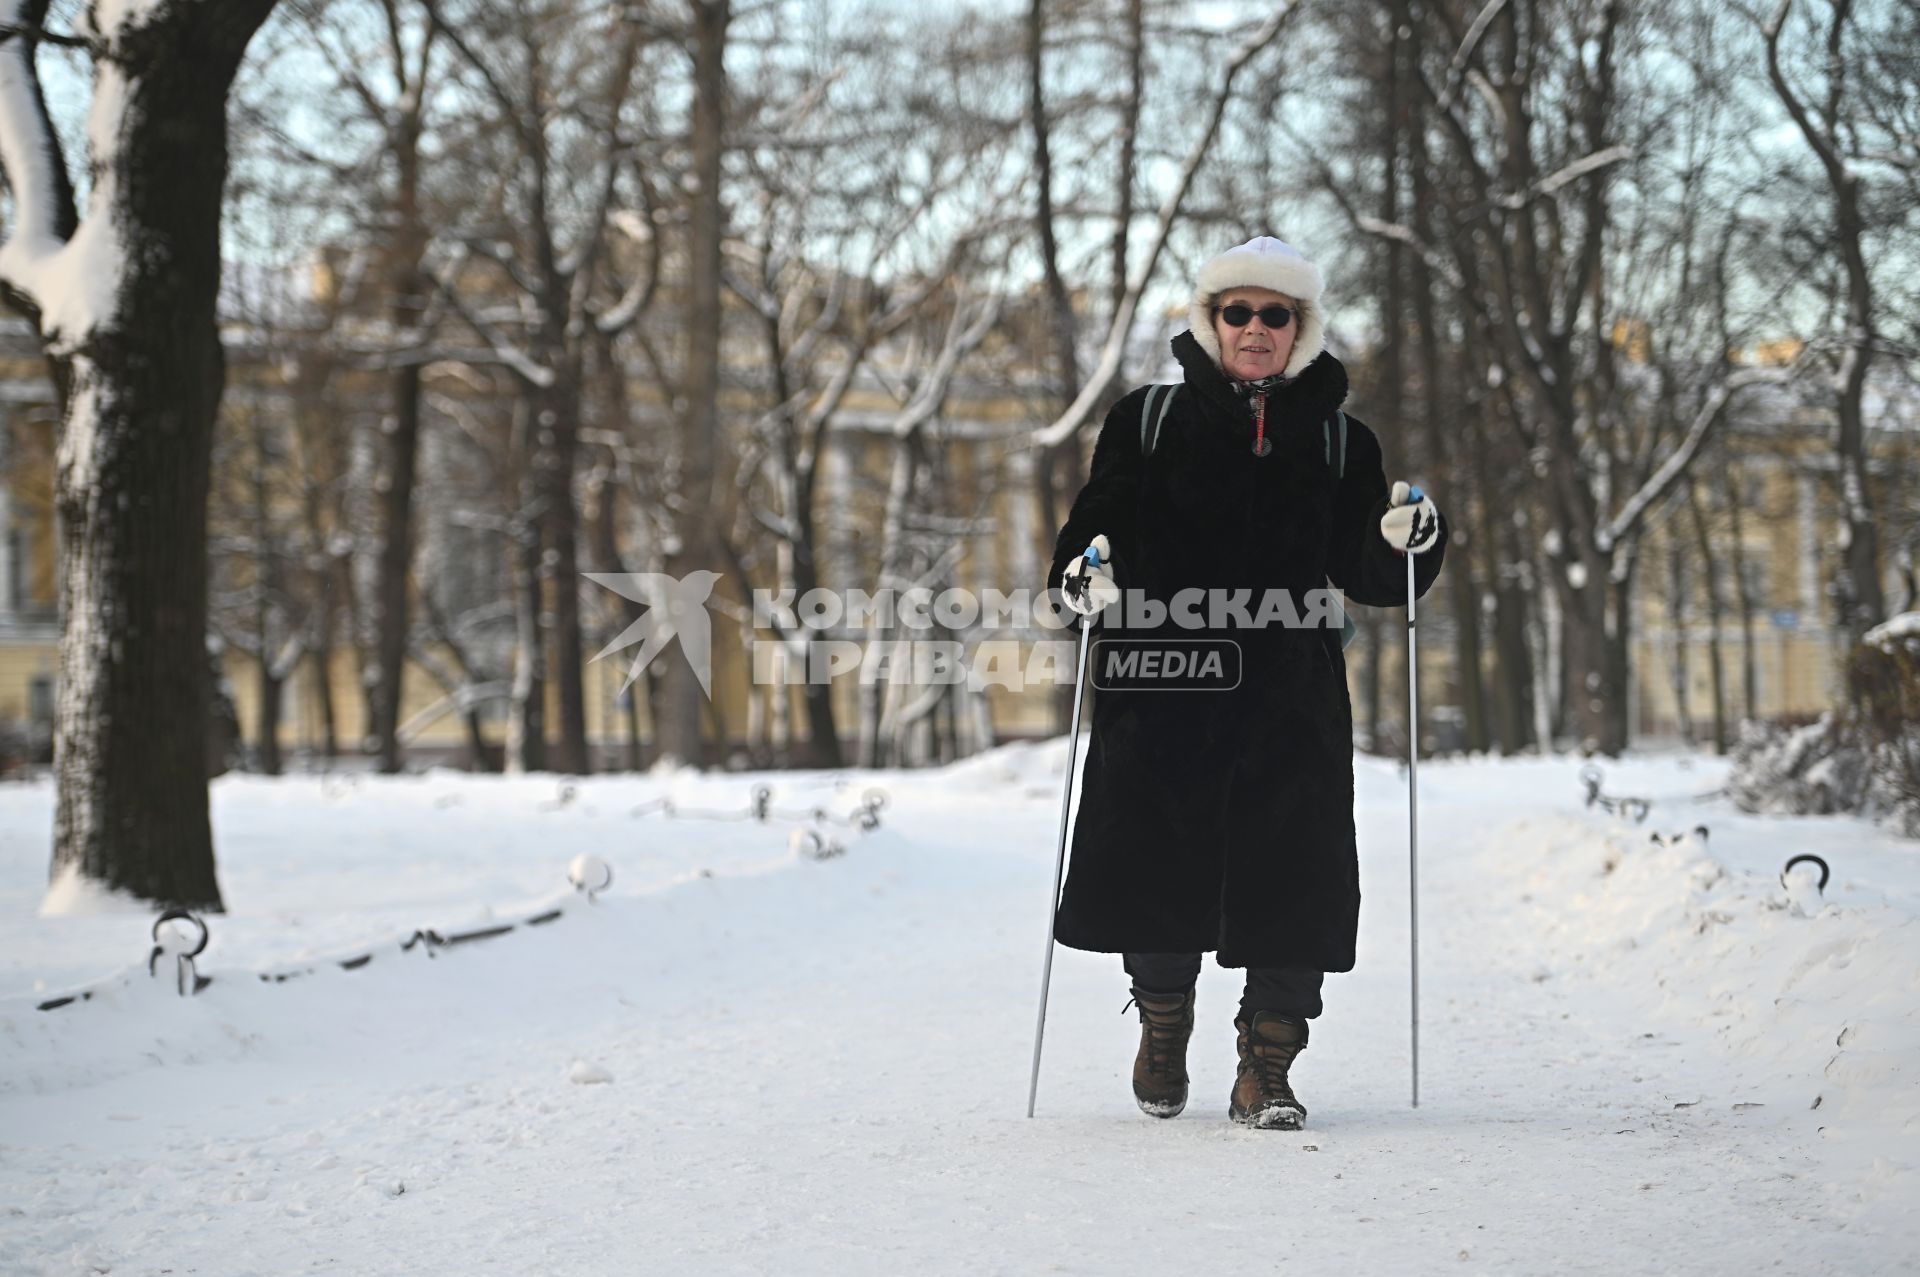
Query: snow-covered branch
x=1432 y=256
x=35 y=169
x=1069 y=422
x=963 y=335
x=1670 y=471
x=500 y=350
x=1468 y=43
x=1546 y=186
x=40 y=35
x=1822 y=145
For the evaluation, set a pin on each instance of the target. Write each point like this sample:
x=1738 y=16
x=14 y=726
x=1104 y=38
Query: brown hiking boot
x=1160 y=1067
x=1261 y=1095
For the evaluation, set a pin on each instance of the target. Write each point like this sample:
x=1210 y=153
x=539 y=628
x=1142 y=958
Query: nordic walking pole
x=1413 y=806
x=1060 y=860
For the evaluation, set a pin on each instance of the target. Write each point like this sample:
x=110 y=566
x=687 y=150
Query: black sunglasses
x=1240 y=316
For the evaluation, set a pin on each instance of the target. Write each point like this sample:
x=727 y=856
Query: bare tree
x=889 y=711
x=678 y=719
x=411 y=41
x=123 y=298
x=1837 y=129
x=566 y=165
x=1107 y=371
x=1534 y=127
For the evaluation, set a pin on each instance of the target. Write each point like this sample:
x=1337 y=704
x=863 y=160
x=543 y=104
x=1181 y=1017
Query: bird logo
x=1425 y=527
x=676 y=607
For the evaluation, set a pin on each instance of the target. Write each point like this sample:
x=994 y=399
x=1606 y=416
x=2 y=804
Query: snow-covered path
x=822 y=1067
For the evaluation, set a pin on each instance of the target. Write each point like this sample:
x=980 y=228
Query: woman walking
x=1217 y=814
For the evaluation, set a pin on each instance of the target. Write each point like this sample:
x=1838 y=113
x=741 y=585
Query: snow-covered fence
x=865 y=817
x=589 y=874
x=186 y=945
x=1807 y=858
x=1635 y=809
x=183 y=945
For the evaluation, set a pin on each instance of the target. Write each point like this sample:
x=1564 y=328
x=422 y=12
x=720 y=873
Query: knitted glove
x=1412 y=522
x=1087 y=583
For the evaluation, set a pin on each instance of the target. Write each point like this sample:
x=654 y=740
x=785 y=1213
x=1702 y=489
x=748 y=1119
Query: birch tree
x=1855 y=107
x=123 y=298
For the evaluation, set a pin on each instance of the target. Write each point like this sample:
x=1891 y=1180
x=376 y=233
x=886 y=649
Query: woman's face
x=1254 y=349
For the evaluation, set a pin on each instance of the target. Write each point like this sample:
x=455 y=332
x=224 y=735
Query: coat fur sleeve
x=1108 y=501
x=1362 y=563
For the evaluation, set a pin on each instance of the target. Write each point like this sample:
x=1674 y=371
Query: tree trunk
x=630 y=714
x=558 y=429
x=1715 y=610
x=320 y=659
x=1513 y=690
x=142 y=387
x=527 y=724
x=404 y=254
x=678 y=716
x=527 y=720
x=268 y=722
x=1677 y=615
x=1742 y=596
x=1596 y=708
x=395 y=487
x=799 y=563
x=267 y=593
x=479 y=756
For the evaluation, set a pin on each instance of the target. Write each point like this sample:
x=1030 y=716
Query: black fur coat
x=1214 y=818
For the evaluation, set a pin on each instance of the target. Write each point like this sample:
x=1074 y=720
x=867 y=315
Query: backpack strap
x=1153 y=415
x=1336 y=459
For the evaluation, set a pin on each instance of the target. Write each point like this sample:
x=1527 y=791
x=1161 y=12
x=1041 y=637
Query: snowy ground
x=1634 y=1058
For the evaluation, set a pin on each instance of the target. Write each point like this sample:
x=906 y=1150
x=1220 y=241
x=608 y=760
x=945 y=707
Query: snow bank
x=1816 y=1004
x=73 y=894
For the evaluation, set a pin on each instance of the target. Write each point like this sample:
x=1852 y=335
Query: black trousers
x=1293 y=991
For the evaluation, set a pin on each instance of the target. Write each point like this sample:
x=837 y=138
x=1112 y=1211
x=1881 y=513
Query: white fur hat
x=1263 y=262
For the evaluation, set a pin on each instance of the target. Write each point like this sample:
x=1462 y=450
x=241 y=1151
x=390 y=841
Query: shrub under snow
x=1863 y=758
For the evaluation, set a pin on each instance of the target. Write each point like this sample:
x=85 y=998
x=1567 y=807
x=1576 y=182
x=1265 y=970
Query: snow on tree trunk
x=123 y=300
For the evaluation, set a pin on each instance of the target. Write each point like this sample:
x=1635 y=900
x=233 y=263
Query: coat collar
x=1312 y=396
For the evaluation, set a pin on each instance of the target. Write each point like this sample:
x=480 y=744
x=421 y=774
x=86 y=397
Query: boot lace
x=1270 y=1061
x=1166 y=1030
